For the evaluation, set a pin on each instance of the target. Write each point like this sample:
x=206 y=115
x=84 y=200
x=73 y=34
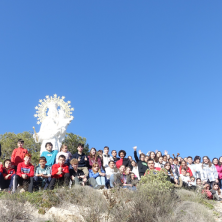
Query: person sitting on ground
x=135 y=169
x=142 y=165
x=172 y=176
x=120 y=179
x=64 y=151
x=7 y=174
x=60 y=173
x=77 y=175
x=42 y=176
x=128 y=183
x=199 y=185
x=94 y=158
x=114 y=156
x=216 y=192
x=117 y=179
x=106 y=157
x=18 y=154
x=25 y=173
x=50 y=154
x=185 y=177
x=206 y=191
x=97 y=177
x=82 y=159
x=134 y=180
x=192 y=181
x=110 y=171
x=123 y=161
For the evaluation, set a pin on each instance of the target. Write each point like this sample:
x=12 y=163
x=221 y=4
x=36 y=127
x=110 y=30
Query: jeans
x=101 y=180
x=28 y=182
x=38 y=181
x=112 y=180
x=64 y=181
x=130 y=188
x=198 y=174
x=220 y=183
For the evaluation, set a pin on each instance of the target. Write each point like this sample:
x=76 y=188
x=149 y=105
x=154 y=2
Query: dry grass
x=146 y=204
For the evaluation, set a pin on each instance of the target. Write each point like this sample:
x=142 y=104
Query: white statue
x=54 y=123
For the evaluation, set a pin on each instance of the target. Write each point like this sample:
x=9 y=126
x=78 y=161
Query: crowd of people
x=102 y=170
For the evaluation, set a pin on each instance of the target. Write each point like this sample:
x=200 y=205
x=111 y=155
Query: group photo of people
x=106 y=169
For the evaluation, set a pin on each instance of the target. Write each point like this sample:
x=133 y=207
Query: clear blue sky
x=145 y=73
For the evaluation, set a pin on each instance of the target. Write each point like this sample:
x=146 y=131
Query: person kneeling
x=77 y=176
x=42 y=174
x=7 y=174
x=60 y=173
x=25 y=173
x=97 y=177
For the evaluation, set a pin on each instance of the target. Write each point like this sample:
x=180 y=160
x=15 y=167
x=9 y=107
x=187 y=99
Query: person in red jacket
x=60 y=173
x=25 y=173
x=18 y=154
x=7 y=174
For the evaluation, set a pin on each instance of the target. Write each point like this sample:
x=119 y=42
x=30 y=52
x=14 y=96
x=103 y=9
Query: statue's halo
x=50 y=101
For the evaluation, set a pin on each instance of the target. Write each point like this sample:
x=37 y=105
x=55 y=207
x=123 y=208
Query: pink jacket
x=219 y=170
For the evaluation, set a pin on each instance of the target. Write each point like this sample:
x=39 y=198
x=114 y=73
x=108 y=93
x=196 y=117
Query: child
x=77 y=175
x=97 y=177
x=216 y=192
x=18 y=154
x=134 y=180
x=82 y=158
x=7 y=175
x=184 y=177
x=42 y=174
x=25 y=173
x=106 y=157
x=192 y=181
x=64 y=151
x=60 y=173
x=207 y=192
x=50 y=154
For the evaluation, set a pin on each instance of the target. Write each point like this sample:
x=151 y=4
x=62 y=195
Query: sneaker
x=22 y=190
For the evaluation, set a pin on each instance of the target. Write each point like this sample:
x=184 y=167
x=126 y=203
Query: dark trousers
x=24 y=182
x=6 y=183
x=63 y=181
x=38 y=182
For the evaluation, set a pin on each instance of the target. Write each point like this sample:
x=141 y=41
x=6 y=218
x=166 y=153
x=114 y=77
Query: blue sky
x=145 y=73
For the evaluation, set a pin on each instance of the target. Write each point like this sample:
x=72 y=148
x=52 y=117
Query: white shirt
x=106 y=159
x=109 y=172
x=136 y=172
x=68 y=155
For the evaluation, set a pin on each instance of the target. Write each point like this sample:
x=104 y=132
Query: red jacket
x=18 y=155
x=5 y=171
x=65 y=169
x=25 y=169
x=188 y=171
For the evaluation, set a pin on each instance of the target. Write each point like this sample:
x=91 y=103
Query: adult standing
x=209 y=172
